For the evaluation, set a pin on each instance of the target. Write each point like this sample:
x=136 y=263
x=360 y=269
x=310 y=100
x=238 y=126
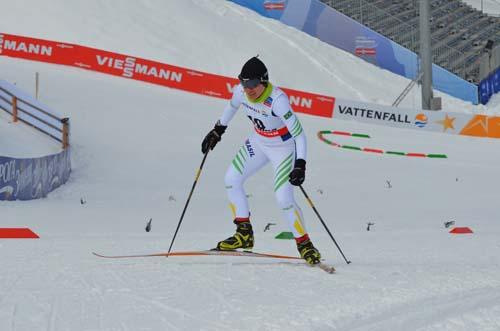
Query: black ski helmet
x=254 y=69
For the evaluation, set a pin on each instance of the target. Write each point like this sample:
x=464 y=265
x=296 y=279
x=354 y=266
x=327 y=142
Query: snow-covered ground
x=136 y=149
x=19 y=140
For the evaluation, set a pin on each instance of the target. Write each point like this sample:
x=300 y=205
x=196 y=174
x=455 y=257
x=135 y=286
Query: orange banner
x=482 y=126
x=148 y=71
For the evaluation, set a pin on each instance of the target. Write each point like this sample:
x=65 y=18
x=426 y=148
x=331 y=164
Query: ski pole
x=187 y=202
x=322 y=222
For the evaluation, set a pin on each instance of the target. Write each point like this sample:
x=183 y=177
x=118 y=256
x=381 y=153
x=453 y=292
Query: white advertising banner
x=435 y=121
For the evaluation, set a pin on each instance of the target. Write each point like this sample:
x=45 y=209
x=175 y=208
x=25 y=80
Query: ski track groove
x=179 y=312
x=410 y=316
x=14 y=314
x=53 y=314
x=150 y=301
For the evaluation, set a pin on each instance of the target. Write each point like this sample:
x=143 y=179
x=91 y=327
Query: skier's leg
x=282 y=159
x=247 y=162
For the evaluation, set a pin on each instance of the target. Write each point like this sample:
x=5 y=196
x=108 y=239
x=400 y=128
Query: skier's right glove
x=213 y=137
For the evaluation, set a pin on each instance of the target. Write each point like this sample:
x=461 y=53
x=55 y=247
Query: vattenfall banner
x=26 y=179
x=221 y=87
x=435 y=121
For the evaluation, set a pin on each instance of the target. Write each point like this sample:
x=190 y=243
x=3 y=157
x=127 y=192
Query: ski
x=202 y=253
x=323 y=266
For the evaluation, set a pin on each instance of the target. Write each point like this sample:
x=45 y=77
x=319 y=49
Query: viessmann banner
x=146 y=70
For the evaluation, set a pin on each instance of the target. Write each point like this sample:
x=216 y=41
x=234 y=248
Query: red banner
x=37 y=49
x=146 y=70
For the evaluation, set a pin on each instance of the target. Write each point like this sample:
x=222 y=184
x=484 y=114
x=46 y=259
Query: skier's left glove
x=298 y=174
x=213 y=137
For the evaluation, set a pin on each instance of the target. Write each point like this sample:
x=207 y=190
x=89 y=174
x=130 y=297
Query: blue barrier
x=334 y=28
x=489 y=86
x=27 y=179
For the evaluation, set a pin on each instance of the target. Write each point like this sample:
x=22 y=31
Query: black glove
x=298 y=173
x=213 y=137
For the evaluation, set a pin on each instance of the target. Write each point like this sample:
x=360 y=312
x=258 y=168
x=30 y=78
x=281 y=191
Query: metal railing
x=398 y=30
x=407 y=90
x=40 y=118
x=489 y=62
x=483 y=8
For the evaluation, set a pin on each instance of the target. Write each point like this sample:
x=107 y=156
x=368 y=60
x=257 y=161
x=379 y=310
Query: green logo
x=288 y=115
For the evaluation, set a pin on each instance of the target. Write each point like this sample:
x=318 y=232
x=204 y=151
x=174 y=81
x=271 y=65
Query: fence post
x=14 y=108
x=37 y=84
x=65 y=132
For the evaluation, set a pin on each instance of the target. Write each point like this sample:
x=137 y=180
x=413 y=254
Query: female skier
x=279 y=139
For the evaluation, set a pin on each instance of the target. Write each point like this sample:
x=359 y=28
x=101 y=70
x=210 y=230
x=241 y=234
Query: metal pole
x=426 y=54
x=37 y=80
x=323 y=222
x=14 y=109
x=198 y=173
x=361 y=11
x=65 y=132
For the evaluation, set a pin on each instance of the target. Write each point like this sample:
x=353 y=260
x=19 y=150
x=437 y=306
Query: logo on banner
x=447 y=123
x=64 y=46
x=230 y=87
x=274 y=5
x=421 y=120
x=212 y=93
x=23 y=47
x=130 y=67
x=365 y=46
x=374 y=114
x=300 y=102
x=8 y=171
x=1 y=43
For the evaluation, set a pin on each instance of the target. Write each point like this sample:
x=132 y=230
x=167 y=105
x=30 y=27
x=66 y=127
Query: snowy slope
x=135 y=154
x=216 y=36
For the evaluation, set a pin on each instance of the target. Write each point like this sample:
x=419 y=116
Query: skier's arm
x=283 y=110
x=214 y=136
x=232 y=106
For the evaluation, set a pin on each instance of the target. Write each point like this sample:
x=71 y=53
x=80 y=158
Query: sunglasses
x=250 y=83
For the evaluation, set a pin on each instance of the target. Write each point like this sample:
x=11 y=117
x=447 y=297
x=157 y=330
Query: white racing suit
x=279 y=139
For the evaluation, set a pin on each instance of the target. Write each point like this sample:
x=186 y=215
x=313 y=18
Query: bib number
x=257 y=123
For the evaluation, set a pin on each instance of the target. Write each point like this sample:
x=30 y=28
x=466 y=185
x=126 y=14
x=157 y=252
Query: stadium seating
x=459 y=32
